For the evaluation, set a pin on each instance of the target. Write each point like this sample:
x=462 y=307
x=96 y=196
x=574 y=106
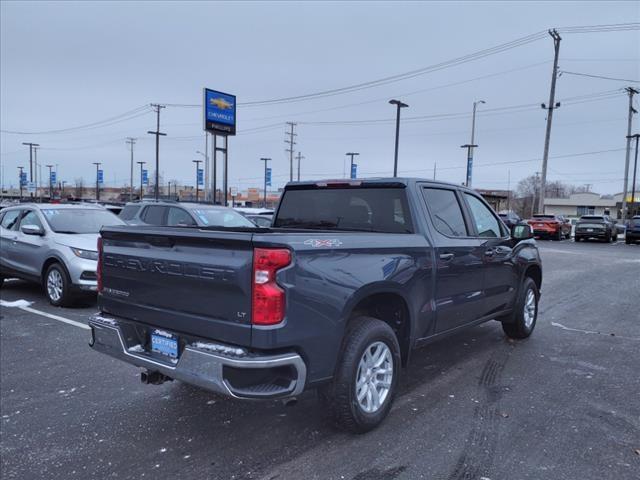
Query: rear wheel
x=558 y=235
x=57 y=286
x=366 y=377
x=521 y=323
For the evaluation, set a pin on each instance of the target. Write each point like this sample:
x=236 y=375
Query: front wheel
x=366 y=377
x=523 y=320
x=57 y=286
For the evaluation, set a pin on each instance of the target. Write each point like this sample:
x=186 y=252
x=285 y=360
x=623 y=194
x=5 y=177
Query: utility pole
x=197 y=162
x=62 y=185
x=535 y=187
x=299 y=157
x=291 y=143
x=434 y=170
x=635 y=169
x=399 y=105
x=141 y=190
x=351 y=154
x=552 y=105
x=50 y=183
x=157 y=133
x=471 y=145
x=131 y=142
x=38 y=172
x=20 y=168
x=631 y=92
x=265 y=160
x=97 y=164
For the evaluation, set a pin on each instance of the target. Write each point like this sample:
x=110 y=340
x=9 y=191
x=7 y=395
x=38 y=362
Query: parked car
x=352 y=277
x=632 y=234
x=164 y=213
x=54 y=245
x=254 y=211
x=555 y=227
x=599 y=227
x=510 y=218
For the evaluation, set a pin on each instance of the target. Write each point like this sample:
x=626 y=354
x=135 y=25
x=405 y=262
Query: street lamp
x=197 y=162
x=399 y=105
x=141 y=191
x=470 y=146
x=351 y=154
x=97 y=164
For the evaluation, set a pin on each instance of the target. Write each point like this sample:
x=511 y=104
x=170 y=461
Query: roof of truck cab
x=376 y=180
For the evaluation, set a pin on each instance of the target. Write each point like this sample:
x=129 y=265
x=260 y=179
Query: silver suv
x=54 y=245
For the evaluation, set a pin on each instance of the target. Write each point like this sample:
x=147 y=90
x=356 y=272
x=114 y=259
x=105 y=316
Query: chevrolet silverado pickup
x=350 y=278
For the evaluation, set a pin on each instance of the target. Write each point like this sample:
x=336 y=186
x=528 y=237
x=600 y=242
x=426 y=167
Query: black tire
x=577 y=239
x=627 y=241
x=608 y=237
x=66 y=298
x=340 y=395
x=558 y=236
x=515 y=325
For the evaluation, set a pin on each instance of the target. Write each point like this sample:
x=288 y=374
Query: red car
x=555 y=227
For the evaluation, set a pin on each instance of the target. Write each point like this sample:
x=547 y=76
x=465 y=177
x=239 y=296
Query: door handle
x=446 y=257
x=490 y=252
x=503 y=250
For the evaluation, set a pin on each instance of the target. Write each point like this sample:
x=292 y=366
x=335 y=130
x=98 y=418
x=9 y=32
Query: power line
x=564 y=72
x=123 y=117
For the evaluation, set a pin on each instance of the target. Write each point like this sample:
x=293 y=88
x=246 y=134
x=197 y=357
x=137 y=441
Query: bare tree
x=78 y=191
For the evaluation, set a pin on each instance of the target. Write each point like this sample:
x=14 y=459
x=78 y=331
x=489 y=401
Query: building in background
x=578 y=204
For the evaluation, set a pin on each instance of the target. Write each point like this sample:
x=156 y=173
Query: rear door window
x=154 y=215
x=445 y=211
x=179 y=217
x=11 y=219
x=129 y=212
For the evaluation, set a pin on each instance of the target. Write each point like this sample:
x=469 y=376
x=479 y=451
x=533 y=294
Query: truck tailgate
x=180 y=279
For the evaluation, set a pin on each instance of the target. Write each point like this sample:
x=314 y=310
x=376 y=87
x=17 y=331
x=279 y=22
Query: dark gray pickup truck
x=351 y=277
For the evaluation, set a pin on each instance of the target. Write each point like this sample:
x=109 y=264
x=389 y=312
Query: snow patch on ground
x=14 y=304
x=136 y=349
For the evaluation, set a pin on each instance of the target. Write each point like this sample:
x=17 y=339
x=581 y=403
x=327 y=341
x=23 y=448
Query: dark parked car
x=599 y=227
x=174 y=214
x=351 y=278
x=510 y=218
x=632 y=234
x=555 y=227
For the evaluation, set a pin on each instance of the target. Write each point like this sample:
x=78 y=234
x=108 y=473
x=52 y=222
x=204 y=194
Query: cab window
x=179 y=217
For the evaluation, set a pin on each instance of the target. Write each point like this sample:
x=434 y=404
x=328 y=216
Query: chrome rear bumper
x=223 y=369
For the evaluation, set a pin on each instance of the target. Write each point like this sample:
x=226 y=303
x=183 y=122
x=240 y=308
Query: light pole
x=97 y=164
x=197 y=162
x=265 y=160
x=635 y=169
x=50 y=183
x=471 y=144
x=141 y=191
x=399 y=105
x=351 y=154
x=31 y=145
x=62 y=184
x=20 y=169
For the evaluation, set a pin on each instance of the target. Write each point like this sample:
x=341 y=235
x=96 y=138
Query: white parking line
x=24 y=305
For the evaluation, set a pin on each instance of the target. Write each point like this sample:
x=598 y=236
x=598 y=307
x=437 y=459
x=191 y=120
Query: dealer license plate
x=164 y=343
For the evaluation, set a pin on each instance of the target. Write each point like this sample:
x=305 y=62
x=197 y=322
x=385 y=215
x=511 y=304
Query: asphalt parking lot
x=564 y=404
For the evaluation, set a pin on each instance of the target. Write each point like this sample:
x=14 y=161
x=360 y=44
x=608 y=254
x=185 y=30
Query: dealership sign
x=219 y=112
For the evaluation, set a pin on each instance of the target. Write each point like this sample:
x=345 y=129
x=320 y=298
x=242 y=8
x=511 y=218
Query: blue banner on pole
x=54 y=177
x=200 y=176
x=23 y=179
x=100 y=176
x=268 y=177
x=145 y=177
x=354 y=170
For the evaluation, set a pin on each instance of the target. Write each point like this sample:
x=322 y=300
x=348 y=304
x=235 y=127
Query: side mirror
x=32 y=230
x=521 y=231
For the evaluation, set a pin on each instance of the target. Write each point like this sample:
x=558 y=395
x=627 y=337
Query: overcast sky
x=68 y=64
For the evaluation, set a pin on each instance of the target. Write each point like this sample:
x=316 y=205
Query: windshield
x=220 y=217
x=349 y=209
x=79 y=220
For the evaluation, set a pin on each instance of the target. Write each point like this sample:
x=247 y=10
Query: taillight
x=268 y=303
x=99 y=267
